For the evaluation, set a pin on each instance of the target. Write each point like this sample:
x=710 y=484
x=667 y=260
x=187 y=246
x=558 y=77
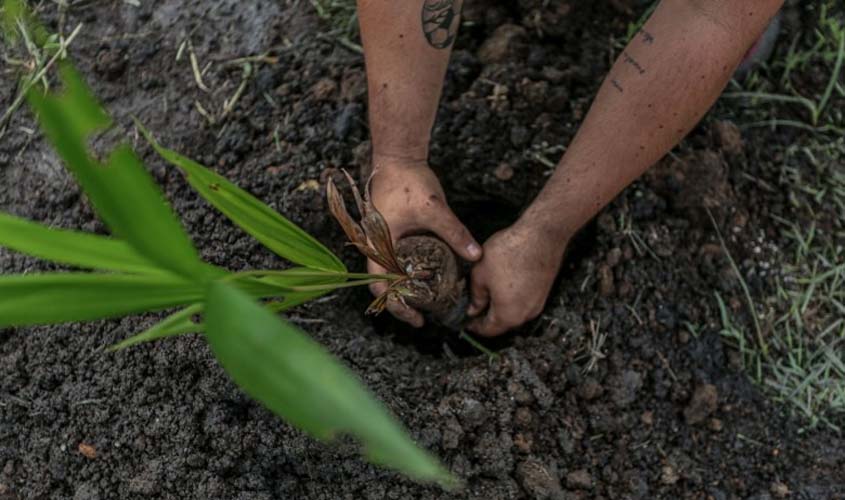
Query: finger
x=479 y=294
x=456 y=235
x=489 y=325
x=378 y=287
x=404 y=313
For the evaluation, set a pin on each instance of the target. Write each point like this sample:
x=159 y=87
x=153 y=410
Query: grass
x=794 y=345
x=342 y=19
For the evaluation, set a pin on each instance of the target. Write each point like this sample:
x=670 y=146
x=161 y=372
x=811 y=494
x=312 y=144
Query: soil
x=661 y=413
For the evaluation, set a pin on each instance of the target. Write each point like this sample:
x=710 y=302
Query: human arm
x=406 y=50
x=659 y=88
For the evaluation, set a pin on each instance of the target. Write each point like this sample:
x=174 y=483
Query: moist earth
x=656 y=410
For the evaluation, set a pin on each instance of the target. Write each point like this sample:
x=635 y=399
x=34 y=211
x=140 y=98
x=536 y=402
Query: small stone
x=668 y=475
x=729 y=136
x=87 y=450
x=647 y=418
x=523 y=442
x=614 y=256
x=579 y=480
x=779 y=490
x=566 y=442
x=715 y=425
x=323 y=89
x=452 y=433
x=538 y=481
x=504 y=172
x=606 y=286
x=523 y=418
x=590 y=389
x=502 y=44
x=196 y=461
x=472 y=413
x=625 y=388
x=704 y=402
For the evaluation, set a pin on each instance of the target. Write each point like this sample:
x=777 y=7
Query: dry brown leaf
x=378 y=232
x=355 y=193
x=87 y=450
x=337 y=207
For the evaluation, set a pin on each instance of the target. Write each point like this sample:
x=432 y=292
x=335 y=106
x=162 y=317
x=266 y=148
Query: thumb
x=456 y=235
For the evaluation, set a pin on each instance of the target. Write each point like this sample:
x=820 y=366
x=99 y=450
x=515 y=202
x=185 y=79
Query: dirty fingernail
x=474 y=250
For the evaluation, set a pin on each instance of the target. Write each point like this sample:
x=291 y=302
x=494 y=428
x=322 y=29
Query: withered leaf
x=355 y=193
x=338 y=209
x=378 y=233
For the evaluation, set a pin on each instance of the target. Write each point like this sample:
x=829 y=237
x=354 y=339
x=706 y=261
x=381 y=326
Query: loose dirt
x=662 y=413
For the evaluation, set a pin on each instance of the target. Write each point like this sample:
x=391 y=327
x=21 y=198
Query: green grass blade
x=266 y=225
x=89 y=251
x=122 y=191
x=39 y=299
x=275 y=363
x=176 y=324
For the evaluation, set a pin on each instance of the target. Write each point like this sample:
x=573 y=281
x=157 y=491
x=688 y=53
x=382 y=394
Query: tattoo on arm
x=648 y=38
x=440 y=20
x=628 y=58
x=616 y=85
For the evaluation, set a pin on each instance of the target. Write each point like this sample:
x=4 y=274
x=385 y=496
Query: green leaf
x=39 y=299
x=266 y=225
x=275 y=363
x=122 y=191
x=73 y=248
x=176 y=324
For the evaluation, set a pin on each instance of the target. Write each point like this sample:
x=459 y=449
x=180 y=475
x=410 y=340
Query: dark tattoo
x=440 y=19
x=616 y=84
x=648 y=38
x=633 y=62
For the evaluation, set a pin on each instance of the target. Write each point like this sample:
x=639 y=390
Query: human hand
x=513 y=279
x=411 y=200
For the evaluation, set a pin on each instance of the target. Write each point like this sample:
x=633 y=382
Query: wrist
x=406 y=156
x=544 y=233
x=546 y=223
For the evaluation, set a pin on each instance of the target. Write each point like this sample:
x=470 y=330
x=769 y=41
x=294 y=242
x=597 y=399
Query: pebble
x=626 y=387
x=729 y=136
x=323 y=89
x=537 y=480
x=501 y=44
x=503 y=172
x=579 y=479
x=590 y=389
x=614 y=256
x=704 y=402
x=668 y=475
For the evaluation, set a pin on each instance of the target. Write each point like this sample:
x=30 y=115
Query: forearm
x=660 y=87
x=406 y=50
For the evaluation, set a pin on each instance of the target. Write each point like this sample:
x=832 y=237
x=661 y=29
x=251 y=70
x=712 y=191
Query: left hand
x=513 y=278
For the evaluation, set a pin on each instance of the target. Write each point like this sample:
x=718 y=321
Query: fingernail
x=474 y=250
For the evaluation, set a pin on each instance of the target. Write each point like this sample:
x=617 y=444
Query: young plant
x=150 y=264
x=427 y=273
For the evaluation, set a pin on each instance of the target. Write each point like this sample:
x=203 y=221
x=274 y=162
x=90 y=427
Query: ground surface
x=666 y=411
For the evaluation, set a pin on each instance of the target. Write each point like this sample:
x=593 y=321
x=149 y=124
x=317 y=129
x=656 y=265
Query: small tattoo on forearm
x=440 y=20
x=633 y=62
x=616 y=85
x=648 y=38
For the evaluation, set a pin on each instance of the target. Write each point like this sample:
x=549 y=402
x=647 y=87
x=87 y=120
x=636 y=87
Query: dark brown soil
x=663 y=414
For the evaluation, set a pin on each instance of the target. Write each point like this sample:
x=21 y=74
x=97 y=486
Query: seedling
x=150 y=264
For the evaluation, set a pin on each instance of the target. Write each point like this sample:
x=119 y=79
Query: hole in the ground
x=483 y=218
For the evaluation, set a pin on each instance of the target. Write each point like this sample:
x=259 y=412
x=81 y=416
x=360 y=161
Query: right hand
x=411 y=200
